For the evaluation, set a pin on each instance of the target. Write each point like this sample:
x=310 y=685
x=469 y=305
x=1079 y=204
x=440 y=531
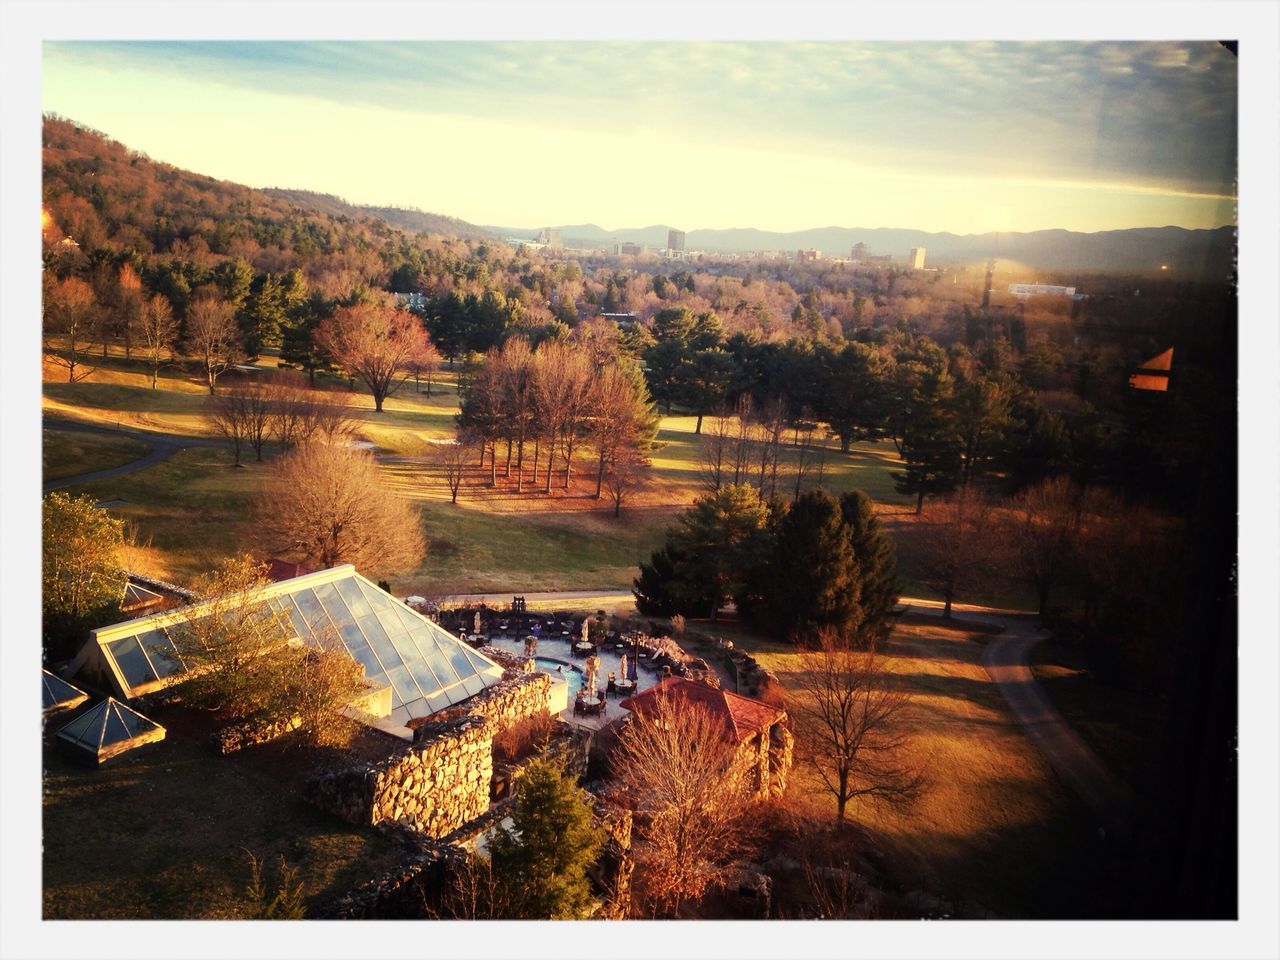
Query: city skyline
x=965 y=137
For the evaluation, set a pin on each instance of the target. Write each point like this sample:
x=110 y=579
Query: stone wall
x=444 y=780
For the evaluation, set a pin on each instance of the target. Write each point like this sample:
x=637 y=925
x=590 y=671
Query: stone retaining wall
x=444 y=780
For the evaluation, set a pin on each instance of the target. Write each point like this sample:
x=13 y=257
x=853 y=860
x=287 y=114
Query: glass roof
x=427 y=668
x=57 y=691
x=106 y=724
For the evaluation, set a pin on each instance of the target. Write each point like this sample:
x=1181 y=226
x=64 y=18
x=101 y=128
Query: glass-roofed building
x=424 y=667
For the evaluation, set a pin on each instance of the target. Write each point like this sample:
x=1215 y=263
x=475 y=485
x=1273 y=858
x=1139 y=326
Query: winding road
x=161 y=446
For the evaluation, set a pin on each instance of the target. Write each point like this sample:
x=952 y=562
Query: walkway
x=1006 y=660
x=161 y=447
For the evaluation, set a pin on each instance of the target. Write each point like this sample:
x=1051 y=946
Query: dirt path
x=161 y=446
x=1006 y=660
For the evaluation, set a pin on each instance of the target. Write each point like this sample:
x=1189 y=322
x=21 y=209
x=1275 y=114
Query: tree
x=983 y=409
x=625 y=473
x=234 y=646
x=705 y=381
x=327 y=505
x=543 y=859
x=1045 y=520
x=957 y=543
x=452 y=457
x=810 y=580
x=678 y=769
x=69 y=307
x=157 y=334
x=931 y=443
x=721 y=539
x=877 y=561
x=856 y=399
x=660 y=592
x=212 y=336
x=243 y=415
x=622 y=418
x=82 y=583
x=322 y=681
x=376 y=343
x=849 y=715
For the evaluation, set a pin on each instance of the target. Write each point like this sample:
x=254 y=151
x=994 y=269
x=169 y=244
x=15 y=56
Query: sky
x=963 y=137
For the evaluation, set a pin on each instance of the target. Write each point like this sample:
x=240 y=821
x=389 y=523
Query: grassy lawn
x=185 y=513
x=993 y=826
x=68 y=453
x=163 y=834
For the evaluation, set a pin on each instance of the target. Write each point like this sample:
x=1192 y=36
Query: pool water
x=568 y=672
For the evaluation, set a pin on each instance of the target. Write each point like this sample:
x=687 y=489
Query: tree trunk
x=919 y=503
x=493 y=464
x=600 y=476
x=697 y=430
x=508 y=470
x=946 y=608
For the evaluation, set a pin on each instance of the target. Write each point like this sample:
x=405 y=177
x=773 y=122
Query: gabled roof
x=110 y=728
x=426 y=667
x=278 y=570
x=742 y=716
x=60 y=695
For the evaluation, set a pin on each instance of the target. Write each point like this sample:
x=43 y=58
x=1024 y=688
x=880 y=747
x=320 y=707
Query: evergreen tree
x=877 y=564
x=720 y=540
x=932 y=446
x=542 y=861
x=811 y=580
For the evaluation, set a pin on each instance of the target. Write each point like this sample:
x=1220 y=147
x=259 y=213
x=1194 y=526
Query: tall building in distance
x=550 y=236
x=858 y=253
x=915 y=259
x=675 y=240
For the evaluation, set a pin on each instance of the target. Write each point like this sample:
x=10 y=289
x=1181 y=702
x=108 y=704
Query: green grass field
x=69 y=453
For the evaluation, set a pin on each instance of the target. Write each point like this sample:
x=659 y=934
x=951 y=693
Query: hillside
x=415 y=221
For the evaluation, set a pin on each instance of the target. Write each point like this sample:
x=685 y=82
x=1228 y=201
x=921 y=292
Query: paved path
x=161 y=446
x=1005 y=658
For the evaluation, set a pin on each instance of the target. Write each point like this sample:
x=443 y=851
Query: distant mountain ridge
x=1208 y=253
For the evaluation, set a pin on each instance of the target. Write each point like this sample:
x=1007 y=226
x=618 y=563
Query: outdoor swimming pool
x=571 y=674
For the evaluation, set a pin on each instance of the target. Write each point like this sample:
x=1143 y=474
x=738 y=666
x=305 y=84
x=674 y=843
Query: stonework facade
x=445 y=779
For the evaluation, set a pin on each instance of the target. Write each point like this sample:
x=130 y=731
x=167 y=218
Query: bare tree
x=327 y=504
x=717 y=449
x=848 y=714
x=626 y=472
x=229 y=417
x=424 y=366
x=69 y=310
x=157 y=333
x=212 y=336
x=958 y=541
x=376 y=343
x=323 y=681
x=1044 y=524
x=451 y=457
x=622 y=418
x=678 y=769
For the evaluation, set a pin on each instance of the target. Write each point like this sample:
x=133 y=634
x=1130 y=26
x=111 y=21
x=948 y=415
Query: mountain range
x=1199 y=253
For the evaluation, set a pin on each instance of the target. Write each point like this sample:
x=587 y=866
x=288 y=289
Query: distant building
x=1024 y=290
x=627 y=249
x=675 y=240
x=807 y=256
x=858 y=253
x=412 y=301
x=915 y=259
x=550 y=236
x=883 y=258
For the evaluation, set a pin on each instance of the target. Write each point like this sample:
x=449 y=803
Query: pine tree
x=877 y=564
x=932 y=447
x=542 y=861
x=811 y=580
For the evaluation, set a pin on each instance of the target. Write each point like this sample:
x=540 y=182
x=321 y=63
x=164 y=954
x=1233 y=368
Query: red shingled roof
x=742 y=716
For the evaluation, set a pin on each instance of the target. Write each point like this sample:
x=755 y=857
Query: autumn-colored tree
x=849 y=724
x=242 y=415
x=82 y=583
x=69 y=312
x=376 y=343
x=677 y=769
x=626 y=472
x=1043 y=529
x=327 y=504
x=213 y=337
x=451 y=457
x=622 y=418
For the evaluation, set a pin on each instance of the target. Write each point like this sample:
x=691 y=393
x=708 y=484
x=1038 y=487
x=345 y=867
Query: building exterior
x=915 y=259
x=858 y=253
x=675 y=240
x=549 y=236
x=807 y=256
x=756 y=729
x=627 y=249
